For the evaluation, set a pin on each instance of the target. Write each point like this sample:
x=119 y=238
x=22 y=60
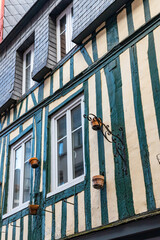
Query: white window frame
x=10 y=209
x=69 y=29
x=54 y=168
x=31 y=48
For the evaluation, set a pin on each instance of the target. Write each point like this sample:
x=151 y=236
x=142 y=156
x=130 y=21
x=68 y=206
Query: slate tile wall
x=43 y=54
x=85 y=12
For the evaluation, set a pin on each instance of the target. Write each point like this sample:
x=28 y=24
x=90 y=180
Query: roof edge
x=92 y=25
x=24 y=20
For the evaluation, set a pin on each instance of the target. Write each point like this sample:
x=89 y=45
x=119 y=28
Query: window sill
x=67 y=186
x=15 y=210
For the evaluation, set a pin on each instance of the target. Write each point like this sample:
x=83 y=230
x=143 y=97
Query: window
x=20 y=177
x=27 y=69
x=64 y=32
x=67 y=147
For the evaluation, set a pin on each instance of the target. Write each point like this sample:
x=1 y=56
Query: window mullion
x=55 y=157
x=11 y=186
x=58 y=40
x=67 y=32
x=32 y=59
x=82 y=119
x=69 y=147
x=22 y=176
x=70 y=27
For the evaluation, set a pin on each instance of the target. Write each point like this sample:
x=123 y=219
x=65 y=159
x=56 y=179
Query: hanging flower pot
x=33 y=209
x=98 y=181
x=34 y=162
x=96 y=123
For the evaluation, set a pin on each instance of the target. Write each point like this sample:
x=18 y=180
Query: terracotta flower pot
x=96 y=124
x=33 y=209
x=34 y=162
x=98 y=181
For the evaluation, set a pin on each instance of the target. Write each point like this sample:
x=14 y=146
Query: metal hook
x=48 y=211
x=14 y=225
x=68 y=202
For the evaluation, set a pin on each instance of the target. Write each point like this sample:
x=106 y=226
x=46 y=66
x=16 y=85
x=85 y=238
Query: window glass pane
x=28 y=58
x=63 y=36
x=61 y=127
x=18 y=158
x=76 y=117
x=27 y=180
x=62 y=162
x=28 y=78
x=77 y=153
x=27 y=150
x=16 y=191
x=63 y=24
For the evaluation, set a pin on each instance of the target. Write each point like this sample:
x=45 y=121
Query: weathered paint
x=146 y=10
x=101 y=43
x=17 y=236
x=87 y=194
x=156 y=34
x=4 y=122
x=101 y=156
x=154 y=7
x=81 y=213
x=51 y=85
x=154 y=77
x=42 y=150
x=89 y=49
x=14 y=134
x=25 y=228
x=35 y=94
x=94 y=163
x=10 y=229
x=79 y=63
x=66 y=72
x=115 y=86
x=58 y=214
x=48 y=223
x=138 y=13
x=138 y=187
x=100 y=27
x=70 y=217
x=149 y=114
x=109 y=158
x=62 y=99
x=1 y=169
x=30 y=102
x=122 y=25
x=56 y=82
x=3 y=233
x=86 y=39
x=47 y=87
x=27 y=123
x=61 y=77
x=11 y=115
x=4 y=171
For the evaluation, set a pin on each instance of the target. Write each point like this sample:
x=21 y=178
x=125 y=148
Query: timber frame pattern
x=102 y=79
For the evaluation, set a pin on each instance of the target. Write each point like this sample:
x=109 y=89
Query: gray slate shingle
x=14 y=10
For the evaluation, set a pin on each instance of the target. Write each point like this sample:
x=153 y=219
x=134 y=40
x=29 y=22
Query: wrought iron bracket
x=111 y=137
